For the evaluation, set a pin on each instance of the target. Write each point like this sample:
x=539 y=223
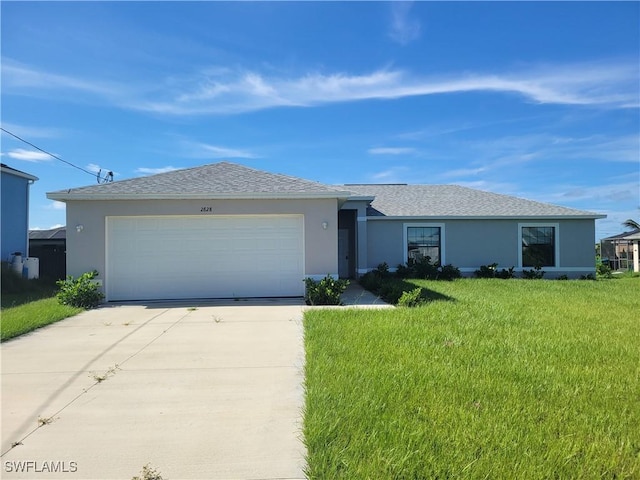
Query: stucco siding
x=468 y=244
x=577 y=243
x=15 y=215
x=384 y=243
x=471 y=243
x=86 y=249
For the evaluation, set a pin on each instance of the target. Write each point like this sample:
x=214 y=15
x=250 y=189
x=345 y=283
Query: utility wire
x=107 y=178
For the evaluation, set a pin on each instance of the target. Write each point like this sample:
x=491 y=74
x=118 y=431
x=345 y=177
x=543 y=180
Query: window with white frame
x=424 y=241
x=539 y=245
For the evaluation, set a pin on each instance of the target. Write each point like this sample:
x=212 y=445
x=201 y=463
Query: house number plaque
x=206 y=209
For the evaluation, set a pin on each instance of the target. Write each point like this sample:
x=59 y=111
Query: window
x=424 y=242
x=539 y=246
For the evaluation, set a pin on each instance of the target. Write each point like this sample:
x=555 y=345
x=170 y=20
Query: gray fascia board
x=63 y=196
x=490 y=217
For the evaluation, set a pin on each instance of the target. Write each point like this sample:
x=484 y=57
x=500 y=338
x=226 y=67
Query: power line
x=107 y=178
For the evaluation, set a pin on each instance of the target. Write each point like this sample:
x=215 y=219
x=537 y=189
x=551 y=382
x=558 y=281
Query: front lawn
x=501 y=379
x=25 y=317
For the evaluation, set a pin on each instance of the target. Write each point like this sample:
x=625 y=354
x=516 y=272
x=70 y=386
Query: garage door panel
x=211 y=257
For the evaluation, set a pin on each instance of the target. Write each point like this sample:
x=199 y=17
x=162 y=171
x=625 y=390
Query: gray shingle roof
x=454 y=201
x=216 y=180
x=59 y=233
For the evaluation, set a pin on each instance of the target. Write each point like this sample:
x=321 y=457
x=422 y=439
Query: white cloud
x=92 y=167
x=391 y=151
x=598 y=83
x=403 y=29
x=28 y=155
x=213 y=151
x=54 y=205
x=611 y=84
x=154 y=171
x=20 y=77
x=28 y=132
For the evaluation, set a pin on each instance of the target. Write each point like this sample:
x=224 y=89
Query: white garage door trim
x=221 y=256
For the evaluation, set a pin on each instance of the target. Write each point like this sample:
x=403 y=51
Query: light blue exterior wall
x=470 y=243
x=15 y=215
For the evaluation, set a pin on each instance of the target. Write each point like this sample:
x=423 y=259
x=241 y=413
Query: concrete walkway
x=356 y=296
x=197 y=391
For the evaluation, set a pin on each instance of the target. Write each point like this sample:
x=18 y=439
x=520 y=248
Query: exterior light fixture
x=325 y=225
x=79 y=228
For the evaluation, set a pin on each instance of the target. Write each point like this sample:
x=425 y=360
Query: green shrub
x=449 y=272
x=506 y=274
x=79 y=292
x=486 y=271
x=371 y=281
x=423 y=268
x=324 y=292
x=411 y=298
x=534 y=274
x=403 y=271
x=604 y=270
x=390 y=291
x=382 y=270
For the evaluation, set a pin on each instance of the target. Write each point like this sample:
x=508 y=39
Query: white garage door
x=204 y=257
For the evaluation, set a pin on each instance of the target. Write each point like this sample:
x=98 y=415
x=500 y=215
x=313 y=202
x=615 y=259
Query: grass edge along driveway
x=26 y=317
x=507 y=379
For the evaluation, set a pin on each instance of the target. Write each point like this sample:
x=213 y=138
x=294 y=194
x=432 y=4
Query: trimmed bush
x=79 y=292
x=324 y=292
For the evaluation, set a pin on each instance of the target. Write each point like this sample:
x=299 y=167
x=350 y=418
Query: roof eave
x=488 y=217
x=70 y=196
x=18 y=173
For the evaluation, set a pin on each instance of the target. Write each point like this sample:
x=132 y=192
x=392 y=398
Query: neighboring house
x=14 y=185
x=50 y=247
x=621 y=251
x=225 y=230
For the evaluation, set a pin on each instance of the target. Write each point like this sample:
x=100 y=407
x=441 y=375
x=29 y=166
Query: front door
x=343 y=252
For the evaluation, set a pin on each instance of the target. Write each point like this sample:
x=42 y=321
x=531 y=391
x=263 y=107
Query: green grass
x=29 y=316
x=28 y=304
x=508 y=379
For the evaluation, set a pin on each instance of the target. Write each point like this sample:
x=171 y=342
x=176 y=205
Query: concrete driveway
x=206 y=391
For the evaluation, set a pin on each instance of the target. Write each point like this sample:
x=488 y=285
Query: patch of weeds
x=149 y=473
x=106 y=324
x=192 y=309
x=15 y=444
x=44 y=421
x=102 y=377
x=127 y=323
x=217 y=319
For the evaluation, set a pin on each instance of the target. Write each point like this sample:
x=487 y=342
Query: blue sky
x=539 y=100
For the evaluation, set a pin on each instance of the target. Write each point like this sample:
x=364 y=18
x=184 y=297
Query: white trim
x=556 y=240
x=405 y=253
x=17 y=173
x=362 y=219
x=546 y=269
